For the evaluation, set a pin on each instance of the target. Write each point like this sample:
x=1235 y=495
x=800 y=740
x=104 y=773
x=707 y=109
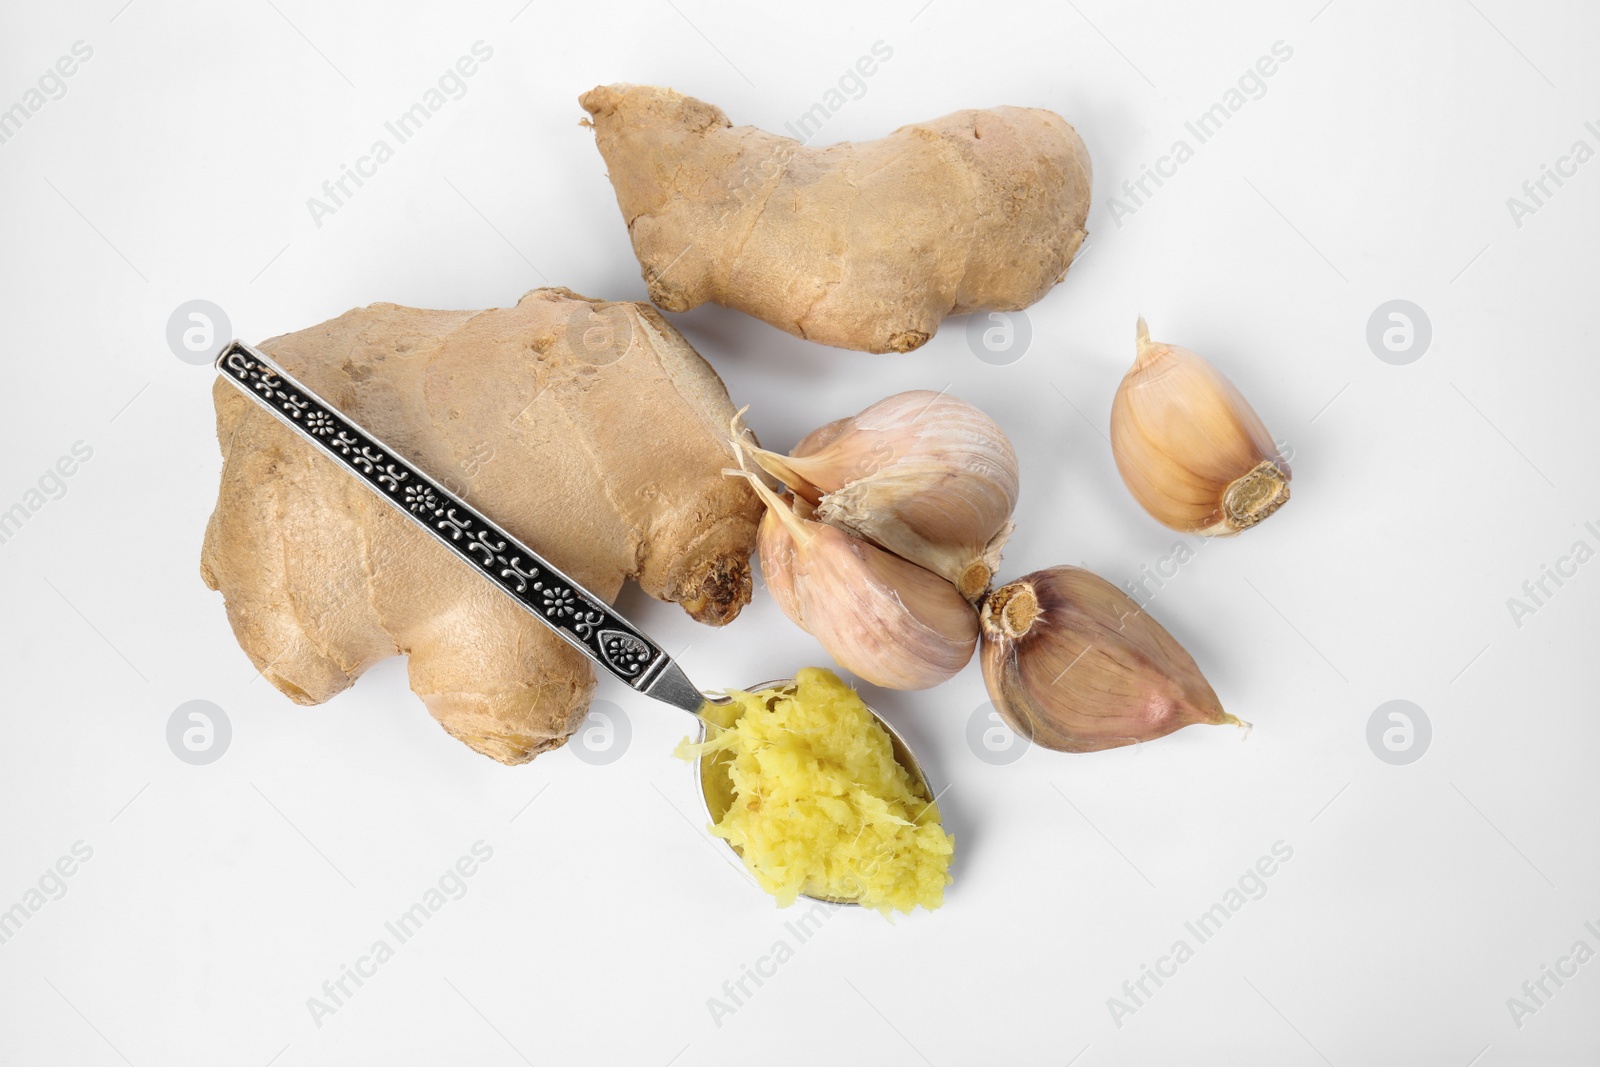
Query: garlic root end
x=1254 y=496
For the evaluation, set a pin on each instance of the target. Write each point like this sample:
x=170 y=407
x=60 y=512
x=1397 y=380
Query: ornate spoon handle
x=587 y=622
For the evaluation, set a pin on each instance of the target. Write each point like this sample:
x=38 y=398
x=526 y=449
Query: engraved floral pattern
x=558 y=601
x=626 y=653
x=421 y=499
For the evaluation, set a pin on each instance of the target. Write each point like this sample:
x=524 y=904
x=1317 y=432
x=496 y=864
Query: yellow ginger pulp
x=815 y=801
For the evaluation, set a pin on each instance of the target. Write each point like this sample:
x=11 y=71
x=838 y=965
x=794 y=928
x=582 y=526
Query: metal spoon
x=586 y=621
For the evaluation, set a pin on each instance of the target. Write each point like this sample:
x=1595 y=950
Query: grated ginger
x=814 y=801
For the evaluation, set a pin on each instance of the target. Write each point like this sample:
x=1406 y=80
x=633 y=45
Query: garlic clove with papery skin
x=776 y=549
x=888 y=621
x=924 y=475
x=1190 y=448
x=1073 y=664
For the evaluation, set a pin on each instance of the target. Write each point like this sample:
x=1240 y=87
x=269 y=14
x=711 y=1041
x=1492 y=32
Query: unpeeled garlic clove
x=1073 y=664
x=777 y=549
x=1192 y=451
x=924 y=475
x=888 y=621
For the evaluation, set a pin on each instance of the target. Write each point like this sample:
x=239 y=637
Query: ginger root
x=859 y=245
x=590 y=430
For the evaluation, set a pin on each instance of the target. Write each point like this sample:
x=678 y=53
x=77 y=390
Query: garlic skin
x=1191 y=450
x=925 y=475
x=776 y=549
x=1073 y=664
x=888 y=621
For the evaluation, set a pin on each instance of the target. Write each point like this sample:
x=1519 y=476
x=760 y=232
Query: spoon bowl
x=716 y=790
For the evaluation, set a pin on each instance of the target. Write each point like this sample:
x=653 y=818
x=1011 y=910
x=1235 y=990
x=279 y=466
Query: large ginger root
x=590 y=430
x=866 y=246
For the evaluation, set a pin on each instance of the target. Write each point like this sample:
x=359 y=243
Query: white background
x=1376 y=166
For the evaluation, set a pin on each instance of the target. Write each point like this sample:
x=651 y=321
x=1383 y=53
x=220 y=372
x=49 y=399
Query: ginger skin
x=858 y=245
x=590 y=430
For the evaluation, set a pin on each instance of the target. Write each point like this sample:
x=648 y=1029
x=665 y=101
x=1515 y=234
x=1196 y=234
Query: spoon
x=592 y=626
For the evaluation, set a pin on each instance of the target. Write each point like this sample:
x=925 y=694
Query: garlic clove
x=1073 y=664
x=1190 y=448
x=888 y=621
x=777 y=550
x=925 y=475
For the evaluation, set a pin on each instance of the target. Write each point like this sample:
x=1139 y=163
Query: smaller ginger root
x=864 y=245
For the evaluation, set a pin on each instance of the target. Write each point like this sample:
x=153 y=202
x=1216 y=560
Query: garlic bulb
x=1190 y=448
x=1073 y=664
x=924 y=475
x=888 y=621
